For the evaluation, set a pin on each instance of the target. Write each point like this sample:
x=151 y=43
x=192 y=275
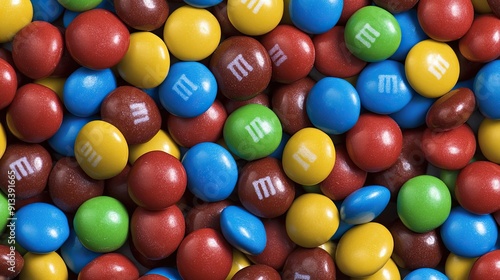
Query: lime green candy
x=372 y=34
x=423 y=203
x=252 y=131
x=79 y=5
x=4 y=211
x=101 y=224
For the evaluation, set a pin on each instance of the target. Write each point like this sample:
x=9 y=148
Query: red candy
x=257 y=272
x=109 y=266
x=205 y=215
x=98 y=30
x=35 y=114
x=117 y=187
x=10 y=265
x=486 y=267
x=451 y=110
x=482 y=43
x=8 y=83
x=142 y=15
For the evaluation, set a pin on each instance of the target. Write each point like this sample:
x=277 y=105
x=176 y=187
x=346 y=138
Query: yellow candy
x=389 y=271
x=191 y=34
x=432 y=68
x=330 y=247
x=160 y=142
x=43 y=266
x=55 y=84
x=255 y=17
x=309 y=156
x=364 y=249
x=240 y=261
x=101 y=150
x=3 y=140
x=312 y=220
x=147 y=61
x=458 y=268
x=481 y=6
x=14 y=15
x=489 y=138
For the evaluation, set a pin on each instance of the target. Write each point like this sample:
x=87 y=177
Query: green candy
x=372 y=34
x=423 y=203
x=4 y=211
x=252 y=132
x=79 y=5
x=101 y=224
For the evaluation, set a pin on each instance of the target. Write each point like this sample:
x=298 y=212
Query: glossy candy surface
x=479 y=43
x=161 y=142
x=75 y=255
x=14 y=16
x=110 y=265
x=315 y=263
x=451 y=110
x=43 y=266
x=142 y=15
x=488 y=135
x=255 y=18
x=365 y=204
x=8 y=83
x=486 y=266
x=486 y=84
x=258 y=271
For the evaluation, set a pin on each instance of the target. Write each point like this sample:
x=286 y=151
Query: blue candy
x=278 y=153
x=333 y=105
x=75 y=255
x=243 y=230
x=169 y=272
x=316 y=16
x=343 y=228
x=411 y=33
x=211 y=171
x=46 y=10
x=41 y=227
x=469 y=235
x=63 y=142
x=413 y=114
x=188 y=90
x=383 y=87
x=486 y=88
x=425 y=274
x=85 y=89
x=365 y=204
x=203 y=3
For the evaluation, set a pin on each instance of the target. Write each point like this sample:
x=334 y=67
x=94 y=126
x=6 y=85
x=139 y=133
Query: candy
x=8 y=83
x=15 y=15
x=425 y=273
x=315 y=263
x=486 y=266
x=414 y=113
x=160 y=142
x=486 y=84
x=12 y=262
x=451 y=110
x=488 y=136
x=317 y=17
x=254 y=17
x=240 y=261
x=457 y=267
x=75 y=255
x=43 y=266
x=142 y=15
x=48 y=11
x=479 y=44
x=79 y=6
x=205 y=215
x=364 y=205
x=395 y=6
x=110 y=265
x=258 y=271
x=411 y=32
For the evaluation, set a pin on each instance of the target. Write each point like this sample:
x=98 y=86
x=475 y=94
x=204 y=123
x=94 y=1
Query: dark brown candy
x=205 y=215
x=257 y=272
x=146 y=15
x=11 y=261
x=396 y=6
x=309 y=263
x=451 y=110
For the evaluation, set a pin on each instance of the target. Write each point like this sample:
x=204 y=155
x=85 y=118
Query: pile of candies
x=249 y=139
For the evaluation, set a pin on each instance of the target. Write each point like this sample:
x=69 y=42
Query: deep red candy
x=97 y=39
x=109 y=266
x=486 y=266
x=482 y=43
x=205 y=215
x=146 y=15
x=11 y=262
x=117 y=187
x=8 y=83
x=451 y=110
x=257 y=272
x=309 y=263
x=153 y=277
x=396 y=6
x=143 y=260
x=494 y=6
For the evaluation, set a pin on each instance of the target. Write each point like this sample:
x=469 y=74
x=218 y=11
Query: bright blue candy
x=425 y=274
x=411 y=33
x=169 y=272
x=75 y=255
x=63 y=142
x=243 y=230
x=188 y=90
x=153 y=93
x=46 y=10
x=365 y=204
x=211 y=171
x=41 y=227
x=413 y=114
x=316 y=16
x=383 y=87
x=278 y=153
x=85 y=89
x=333 y=105
x=68 y=17
x=467 y=234
x=486 y=89
x=343 y=228
x=203 y=3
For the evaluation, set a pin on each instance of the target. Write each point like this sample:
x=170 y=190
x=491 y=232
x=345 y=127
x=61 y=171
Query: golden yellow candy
x=330 y=247
x=458 y=268
x=55 y=84
x=309 y=156
x=3 y=140
x=255 y=17
x=312 y=220
x=364 y=249
x=488 y=137
x=147 y=61
x=101 y=150
x=14 y=15
x=240 y=261
x=389 y=271
x=191 y=34
x=432 y=68
x=481 y=6
x=160 y=142
x=43 y=266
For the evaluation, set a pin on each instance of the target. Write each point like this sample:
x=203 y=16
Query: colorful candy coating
x=160 y=142
x=14 y=16
x=79 y=6
x=486 y=83
x=457 y=267
x=109 y=266
x=486 y=266
x=255 y=17
x=315 y=17
x=142 y=15
x=75 y=255
x=315 y=263
x=43 y=266
x=411 y=31
x=425 y=273
x=451 y=110
x=12 y=262
x=8 y=83
x=488 y=136
x=479 y=43
x=364 y=205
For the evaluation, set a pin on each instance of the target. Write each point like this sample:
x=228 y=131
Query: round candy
x=191 y=33
x=8 y=83
x=12 y=262
x=414 y=113
x=309 y=263
x=476 y=187
x=99 y=29
x=309 y=156
x=372 y=34
x=43 y=266
x=203 y=3
x=189 y=89
x=457 y=267
x=110 y=266
x=240 y=261
x=101 y=224
x=254 y=17
x=161 y=142
x=37 y=49
x=205 y=215
x=63 y=141
x=14 y=15
x=426 y=273
x=451 y=110
x=85 y=89
x=35 y=114
x=364 y=249
x=157 y=180
x=133 y=112
x=79 y=6
x=311 y=220
x=257 y=271
x=486 y=266
x=315 y=17
x=364 y=205
x=75 y=255
x=486 y=84
x=101 y=150
x=4 y=205
x=488 y=137
x=423 y=203
x=243 y=230
x=252 y=132
x=218 y=168
x=336 y=98
x=46 y=10
x=204 y=254
x=142 y=15
x=479 y=43
x=432 y=68
x=411 y=32
x=467 y=234
x=167 y=272
x=146 y=62
x=375 y=142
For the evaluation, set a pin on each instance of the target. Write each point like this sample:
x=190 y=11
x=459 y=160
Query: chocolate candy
x=43 y=266
x=451 y=110
x=309 y=263
x=487 y=137
x=478 y=44
x=255 y=18
x=8 y=83
x=12 y=261
x=485 y=266
x=110 y=265
x=257 y=271
x=364 y=205
x=205 y=215
x=75 y=255
x=317 y=17
x=485 y=85
x=15 y=15
x=396 y=6
x=142 y=15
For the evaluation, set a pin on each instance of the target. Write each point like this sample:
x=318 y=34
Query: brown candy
x=257 y=272
x=451 y=110
x=309 y=263
x=205 y=215
x=11 y=262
